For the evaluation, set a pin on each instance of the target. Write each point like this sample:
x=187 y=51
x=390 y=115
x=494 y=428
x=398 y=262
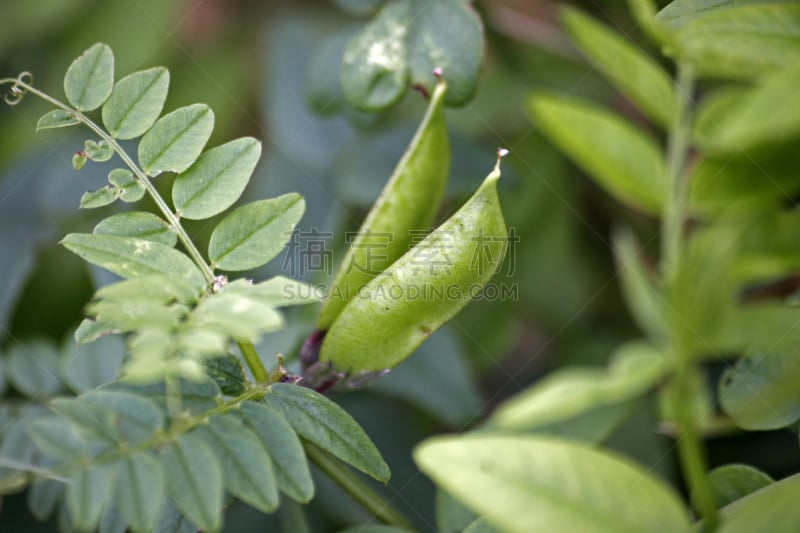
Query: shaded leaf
x=33 y=369
x=136 y=418
x=194 y=480
x=228 y=373
x=138 y=224
x=197 y=396
x=216 y=180
x=773 y=508
x=90 y=78
x=625 y=162
x=139 y=490
x=56 y=437
x=280 y=440
x=176 y=140
x=254 y=233
x=319 y=420
x=733 y=482
x=481 y=525
x=136 y=102
x=451 y=515
x=131 y=257
x=86 y=494
x=57 y=118
x=43 y=496
x=91 y=420
x=246 y=466
x=91 y=330
x=86 y=367
x=536 y=483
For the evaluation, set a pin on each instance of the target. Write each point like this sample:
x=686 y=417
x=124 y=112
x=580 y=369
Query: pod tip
x=501 y=152
x=438 y=73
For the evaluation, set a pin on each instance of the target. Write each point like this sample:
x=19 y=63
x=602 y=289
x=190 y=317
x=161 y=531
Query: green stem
x=254 y=362
x=690 y=451
x=356 y=488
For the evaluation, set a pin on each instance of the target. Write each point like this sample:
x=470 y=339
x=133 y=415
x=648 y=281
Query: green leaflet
x=87 y=493
x=176 y=140
x=90 y=78
x=136 y=102
x=139 y=490
x=216 y=180
x=733 y=482
x=628 y=164
x=526 y=484
x=130 y=188
x=33 y=369
x=254 y=233
x=773 y=508
x=140 y=224
x=86 y=367
x=423 y=289
x=409 y=202
x=57 y=118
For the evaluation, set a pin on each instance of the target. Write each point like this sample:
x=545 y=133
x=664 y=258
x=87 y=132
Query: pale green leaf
x=278 y=291
x=280 y=440
x=322 y=422
x=195 y=480
x=86 y=367
x=172 y=520
x=33 y=369
x=99 y=198
x=254 y=233
x=372 y=528
x=733 y=482
x=43 y=497
x=176 y=140
x=78 y=161
x=246 y=465
x=139 y=490
x=130 y=188
x=90 y=78
x=375 y=67
x=57 y=118
x=765 y=326
x=240 y=317
x=569 y=392
x=760 y=392
x=216 y=180
x=156 y=288
x=773 y=508
x=526 y=484
x=136 y=102
x=91 y=330
x=136 y=419
x=138 y=224
x=57 y=438
x=136 y=315
x=89 y=419
x=87 y=492
x=98 y=151
x=627 y=163
x=130 y=257
x=634 y=73
x=447 y=35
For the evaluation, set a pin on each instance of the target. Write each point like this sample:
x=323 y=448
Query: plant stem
x=254 y=362
x=356 y=488
x=690 y=451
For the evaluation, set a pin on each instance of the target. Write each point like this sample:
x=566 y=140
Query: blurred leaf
x=130 y=257
x=323 y=88
x=176 y=140
x=33 y=369
x=130 y=188
x=228 y=373
x=197 y=396
x=216 y=180
x=624 y=161
x=87 y=493
x=451 y=515
x=734 y=39
x=136 y=315
x=374 y=529
x=358 y=7
x=280 y=440
x=733 y=482
x=254 y=233
x=759 y=326
x=481 y=525
x=136 y=418
x=635 y=74
x=278 y=291
x=157 y=288
x=246 y=466
x=91 y=330
x=195 y=480
x=43 y=497
x=322 y=422
x=375 y=66
x=86 y=367
x=56 y=437
x=760 y=392
x=136 y=102
x=99 y=197
x=90 y=420
x=172 y=520
x=734 y=121
x=447 y=34
x=139 y=490
x=90 y=78
x=139 y=224
x=57 y=118
x=773 y=508
x=529 y=484
x=238 y=316
x=566 y=393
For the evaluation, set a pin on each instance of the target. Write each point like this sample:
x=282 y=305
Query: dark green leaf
x=130 y=257
x=197 y=396
x=87 y=493
x=526 y=484
x=228 y=373
x=246 y=466
x=136 y=418
x=451 y=514
x=195 y=480
x=760 y=392
x=216 y=180
x=139 y=490
x=57 y=118
x=99 y=198
x=86 y=367
x=172 y=520
x=130 y=188
x=33 y=369
x=773 y=508
x=90 y=419
x=136 y=102
x=90 y=78
x=375 y=67
x=733 y=482
x=254 y=233
x=481 y=525
x=280 y=440
x=176 y=140
x=635 y=74
x=624 y=161
x=137 y=224
x=319 y=420
x=358 y=7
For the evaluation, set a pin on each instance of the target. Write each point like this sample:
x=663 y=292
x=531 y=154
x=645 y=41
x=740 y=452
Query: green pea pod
x=423 y=289
x=409 y=201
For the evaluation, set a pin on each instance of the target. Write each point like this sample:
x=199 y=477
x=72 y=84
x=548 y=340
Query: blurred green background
x=270 y=69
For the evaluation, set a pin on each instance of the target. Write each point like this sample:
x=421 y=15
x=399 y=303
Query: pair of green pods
x=375 y=317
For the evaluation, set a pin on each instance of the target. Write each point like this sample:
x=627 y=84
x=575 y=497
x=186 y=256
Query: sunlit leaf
x=176 y=140
x=140 y=224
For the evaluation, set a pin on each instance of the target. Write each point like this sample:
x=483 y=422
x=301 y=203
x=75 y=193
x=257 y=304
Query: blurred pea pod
x=423 y=289
x=409 y=201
